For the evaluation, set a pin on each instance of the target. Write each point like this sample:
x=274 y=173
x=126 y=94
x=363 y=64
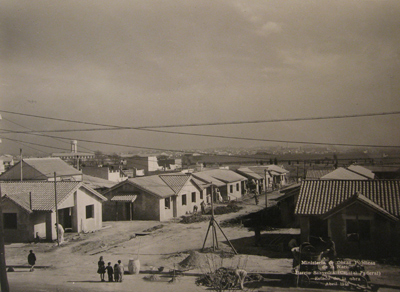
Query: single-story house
x=274 y=175
x=342 y=173
x=156 y=197
x=29 y=209
x=255 y=181
x=361 y=216
x=287 y=204
x=229 y=183
x=42 y=169
x=317 y=173
x=385 y=172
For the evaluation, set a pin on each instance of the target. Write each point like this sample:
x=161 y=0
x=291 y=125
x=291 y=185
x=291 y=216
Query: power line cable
x=114 y=127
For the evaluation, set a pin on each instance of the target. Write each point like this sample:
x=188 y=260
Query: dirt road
x=73 y=265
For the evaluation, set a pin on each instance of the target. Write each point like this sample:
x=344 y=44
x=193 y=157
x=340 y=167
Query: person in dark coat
x=101 y=268
x=32 y=260
x=117 y=273
x=110 y=272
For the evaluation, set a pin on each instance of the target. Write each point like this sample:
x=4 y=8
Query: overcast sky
x=150 y=63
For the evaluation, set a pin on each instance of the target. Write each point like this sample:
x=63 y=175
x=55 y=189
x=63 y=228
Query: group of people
x=114 y=273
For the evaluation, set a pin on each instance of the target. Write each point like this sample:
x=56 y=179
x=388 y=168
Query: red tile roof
x=317 y=197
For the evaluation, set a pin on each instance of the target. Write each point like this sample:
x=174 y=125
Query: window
x=201 y=195
x=89 y=211
x=237 y=187
x=358 y=229
x=10 y=220
x=231 y=188
x=193 y=197
x=167 y=203
x=184 y=200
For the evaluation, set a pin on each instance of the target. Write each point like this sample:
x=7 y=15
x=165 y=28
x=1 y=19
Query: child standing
x=110 y=272
x=116 y=273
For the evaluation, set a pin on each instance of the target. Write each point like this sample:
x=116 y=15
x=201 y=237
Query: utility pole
x=20 y=154
x=265 y=183
x=55 y=196
x=3 y=269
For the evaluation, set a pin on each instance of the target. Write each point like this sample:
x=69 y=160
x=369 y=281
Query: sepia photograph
x=199 y=145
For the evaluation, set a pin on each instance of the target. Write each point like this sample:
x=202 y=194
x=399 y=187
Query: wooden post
x=55 y=197
x=266 y=192
x=3 y=271
x=20 y=153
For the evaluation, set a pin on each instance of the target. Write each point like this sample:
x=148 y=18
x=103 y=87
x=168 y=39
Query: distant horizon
x=88 y=69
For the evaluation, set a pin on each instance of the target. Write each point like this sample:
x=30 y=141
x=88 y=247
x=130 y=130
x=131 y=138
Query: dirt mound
x=194 y=260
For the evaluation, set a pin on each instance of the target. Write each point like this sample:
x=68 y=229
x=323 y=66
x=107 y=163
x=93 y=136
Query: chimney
x=30 y=200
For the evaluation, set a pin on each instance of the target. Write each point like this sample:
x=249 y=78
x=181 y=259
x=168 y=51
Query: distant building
x=42 y=169
x=6 y=161
x=74 y=157
x=146 y=163
x=105 y=173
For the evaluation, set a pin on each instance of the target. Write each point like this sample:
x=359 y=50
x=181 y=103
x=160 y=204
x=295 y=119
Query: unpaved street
x=73 y=265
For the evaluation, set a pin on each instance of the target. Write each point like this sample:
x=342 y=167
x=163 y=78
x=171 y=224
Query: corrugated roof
x=362 y=170
x=126 y=198
x=248 y=172
x=199 y=183
x=47 y=166
x=343 y=174
x=224 y=175
x=260 y=169
x=43 y=194
x=206 y=177
x=96 y=182
x=317 y=197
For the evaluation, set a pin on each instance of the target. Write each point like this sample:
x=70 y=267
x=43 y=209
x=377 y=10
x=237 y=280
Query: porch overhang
x=124 y=199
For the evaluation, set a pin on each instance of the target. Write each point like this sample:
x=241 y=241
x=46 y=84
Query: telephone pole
x=3 y=269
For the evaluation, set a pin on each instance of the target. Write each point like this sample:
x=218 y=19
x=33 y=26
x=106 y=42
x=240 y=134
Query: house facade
x=230 y=184
x=156 y=197
x=361 y=216
x=29 y=209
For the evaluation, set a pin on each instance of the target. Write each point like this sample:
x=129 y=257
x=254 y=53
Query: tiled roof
x=127 y=198
x=317 y=173
x=248 y=172
x=175 y=181
x=344 y=174
x=317 y=197
x=363 y=200
x=48 y=166
x=362 y=170
x=22 y=200
x=43 y=194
